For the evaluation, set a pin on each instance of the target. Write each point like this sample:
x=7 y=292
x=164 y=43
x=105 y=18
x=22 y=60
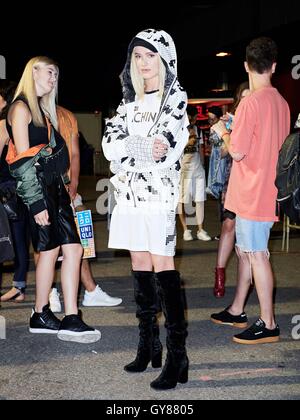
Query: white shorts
x=138 y=229
x=192 y=189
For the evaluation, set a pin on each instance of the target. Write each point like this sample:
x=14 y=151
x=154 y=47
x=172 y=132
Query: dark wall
x=234 y=22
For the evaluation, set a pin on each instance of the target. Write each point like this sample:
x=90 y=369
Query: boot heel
x=156 y=360
x=184 y=375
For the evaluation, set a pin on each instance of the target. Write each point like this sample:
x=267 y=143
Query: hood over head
x=157 y=41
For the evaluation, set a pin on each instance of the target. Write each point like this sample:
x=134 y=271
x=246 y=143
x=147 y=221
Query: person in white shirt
x=144 y=143
x=192 y=182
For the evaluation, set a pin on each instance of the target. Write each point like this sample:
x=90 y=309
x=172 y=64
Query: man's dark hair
x=261 y=54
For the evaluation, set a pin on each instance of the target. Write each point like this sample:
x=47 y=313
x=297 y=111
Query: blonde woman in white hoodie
x=145 y=143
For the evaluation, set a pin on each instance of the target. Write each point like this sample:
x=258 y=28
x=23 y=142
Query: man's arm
x=235 y=156
x=75 y=166
x=222 y=132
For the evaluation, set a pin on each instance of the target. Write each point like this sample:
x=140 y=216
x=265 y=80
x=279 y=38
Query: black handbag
x=10 y=200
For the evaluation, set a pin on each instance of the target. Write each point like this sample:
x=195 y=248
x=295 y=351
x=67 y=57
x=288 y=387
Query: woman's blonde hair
x=138 y=81
x=26 y=88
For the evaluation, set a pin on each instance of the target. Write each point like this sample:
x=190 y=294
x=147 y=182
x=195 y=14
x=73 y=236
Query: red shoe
x=219 y=290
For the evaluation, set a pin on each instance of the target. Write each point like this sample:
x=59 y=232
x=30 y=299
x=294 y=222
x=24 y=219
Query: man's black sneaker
x=44 y=322
x=225 y=318
x=258 y=334
x=72 y=328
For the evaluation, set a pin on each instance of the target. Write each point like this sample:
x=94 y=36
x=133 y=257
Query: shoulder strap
x=51 y=134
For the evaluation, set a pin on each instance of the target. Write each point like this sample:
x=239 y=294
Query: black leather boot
x=176 y=366
x=149 y=347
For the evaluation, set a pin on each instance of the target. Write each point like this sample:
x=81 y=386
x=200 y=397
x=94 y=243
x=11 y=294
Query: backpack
x=288 y=178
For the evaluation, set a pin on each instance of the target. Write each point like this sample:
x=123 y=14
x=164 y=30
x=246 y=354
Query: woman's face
x=45 y=77
x=3 y=103
x=147 y=63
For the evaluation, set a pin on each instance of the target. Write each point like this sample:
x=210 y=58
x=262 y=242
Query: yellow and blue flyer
x=84 y=224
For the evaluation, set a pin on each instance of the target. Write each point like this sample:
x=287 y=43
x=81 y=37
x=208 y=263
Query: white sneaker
x=203 y=236
x=54 y=301
x=99 y=298
x=187 y=236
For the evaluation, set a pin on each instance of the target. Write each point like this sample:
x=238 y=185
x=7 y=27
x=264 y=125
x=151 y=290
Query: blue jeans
x=20 y=237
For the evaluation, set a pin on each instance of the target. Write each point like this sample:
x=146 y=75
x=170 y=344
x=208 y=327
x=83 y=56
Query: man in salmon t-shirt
x=261 y=124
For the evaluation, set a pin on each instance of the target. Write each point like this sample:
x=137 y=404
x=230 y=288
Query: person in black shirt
x=18 y=227
x=39 y=160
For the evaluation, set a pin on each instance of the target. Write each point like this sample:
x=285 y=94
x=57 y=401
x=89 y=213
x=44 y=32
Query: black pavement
x=43 y=367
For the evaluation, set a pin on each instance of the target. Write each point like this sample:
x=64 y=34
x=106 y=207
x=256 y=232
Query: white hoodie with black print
x=139 y=179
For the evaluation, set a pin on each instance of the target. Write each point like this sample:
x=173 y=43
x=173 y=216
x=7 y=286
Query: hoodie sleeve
x=118 y=145
x=113 y=142
x=134 y=153
x=172 y=128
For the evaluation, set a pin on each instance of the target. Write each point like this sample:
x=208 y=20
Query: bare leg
x=226 y=244
x=87 y=276
x=182 y=217
x=70 y=270
x=44 y=277
x=36 y=256
x=141 y=261
x=161 y=263
x=200 y=214
x=264 y=282
x=243 y=284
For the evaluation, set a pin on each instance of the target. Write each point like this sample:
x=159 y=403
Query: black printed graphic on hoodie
x=134 y=153
x=139 y=178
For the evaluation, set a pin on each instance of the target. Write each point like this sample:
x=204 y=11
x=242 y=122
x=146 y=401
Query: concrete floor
x=43 y=367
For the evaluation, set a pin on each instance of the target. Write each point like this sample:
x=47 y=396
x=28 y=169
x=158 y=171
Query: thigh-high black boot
x=149 y=347
x=176 y=366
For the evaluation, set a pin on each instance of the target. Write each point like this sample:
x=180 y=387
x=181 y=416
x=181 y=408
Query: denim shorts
x=252 y=236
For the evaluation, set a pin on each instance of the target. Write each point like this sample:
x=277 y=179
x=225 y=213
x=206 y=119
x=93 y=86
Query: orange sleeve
x=244 y=126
